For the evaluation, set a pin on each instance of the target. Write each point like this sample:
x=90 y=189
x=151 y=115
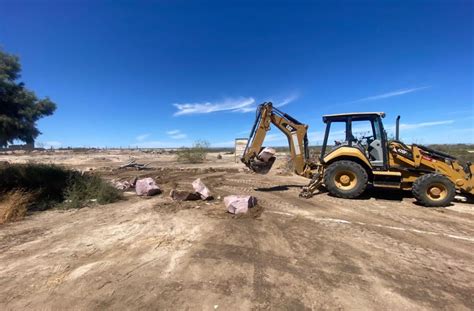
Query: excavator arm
x=295 y=131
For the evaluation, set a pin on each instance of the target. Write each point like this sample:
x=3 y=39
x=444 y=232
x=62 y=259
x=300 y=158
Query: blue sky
x=166 y=73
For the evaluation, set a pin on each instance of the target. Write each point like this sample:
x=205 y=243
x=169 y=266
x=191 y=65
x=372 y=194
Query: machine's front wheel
x=433 y=190
x=345 y=179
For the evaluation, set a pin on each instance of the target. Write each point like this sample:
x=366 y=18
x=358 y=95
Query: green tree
x=19 y=107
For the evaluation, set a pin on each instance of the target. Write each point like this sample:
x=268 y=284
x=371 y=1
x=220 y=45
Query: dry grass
x=53 y=184
x=14 y=205
x=196 y=154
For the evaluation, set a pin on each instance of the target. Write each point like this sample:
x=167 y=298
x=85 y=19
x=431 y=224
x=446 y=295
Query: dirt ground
x=379 y=252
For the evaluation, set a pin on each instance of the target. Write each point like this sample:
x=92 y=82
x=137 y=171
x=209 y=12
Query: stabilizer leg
x=313 y=187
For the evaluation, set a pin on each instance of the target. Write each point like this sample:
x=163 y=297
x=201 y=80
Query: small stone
x=122 y=185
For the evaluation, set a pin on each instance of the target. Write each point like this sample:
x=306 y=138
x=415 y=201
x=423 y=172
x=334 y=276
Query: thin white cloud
x=390 y=94
x=424 y=124
x=176 y=134
x=242 y=104
x=287 y=100
x=248 y=109
x=414 y=126
x=179 y=136
x=142 y=137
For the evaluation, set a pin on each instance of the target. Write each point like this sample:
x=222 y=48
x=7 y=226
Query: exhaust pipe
x=397 y=129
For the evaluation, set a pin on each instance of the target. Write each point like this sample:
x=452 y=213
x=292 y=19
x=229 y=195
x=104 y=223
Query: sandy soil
x=380 y=252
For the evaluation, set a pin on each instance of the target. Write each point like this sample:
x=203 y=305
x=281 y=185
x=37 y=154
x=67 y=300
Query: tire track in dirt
x=413 y=235
x=396 y=214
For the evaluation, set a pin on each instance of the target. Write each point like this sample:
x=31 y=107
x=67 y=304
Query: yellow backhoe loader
x=361 y=155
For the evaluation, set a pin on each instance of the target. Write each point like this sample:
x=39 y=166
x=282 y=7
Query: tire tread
x=418 y=190
x=361 y=173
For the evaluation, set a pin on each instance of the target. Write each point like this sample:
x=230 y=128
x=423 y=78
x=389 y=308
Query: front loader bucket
x=262 y=167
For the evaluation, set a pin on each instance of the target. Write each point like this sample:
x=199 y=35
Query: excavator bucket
x=262 y=167
x=264 y=161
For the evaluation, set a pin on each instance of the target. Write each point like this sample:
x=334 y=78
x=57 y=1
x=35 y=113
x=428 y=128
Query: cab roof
x=354 y=115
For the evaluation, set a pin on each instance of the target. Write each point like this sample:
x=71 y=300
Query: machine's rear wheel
x=433 y=190
x=345 y=179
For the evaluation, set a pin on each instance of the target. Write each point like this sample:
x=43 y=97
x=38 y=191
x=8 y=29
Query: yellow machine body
x=377 y=160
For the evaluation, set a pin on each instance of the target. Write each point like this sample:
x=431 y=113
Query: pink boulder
x=147 y=187
x=239 y=204
x=266 y=154
x=201 y=188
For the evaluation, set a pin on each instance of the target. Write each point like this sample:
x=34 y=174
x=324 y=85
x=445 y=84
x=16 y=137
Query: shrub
x=196 y=154
x=48 y=182
x=52 y=184
x=14 y=205
x=81 y=190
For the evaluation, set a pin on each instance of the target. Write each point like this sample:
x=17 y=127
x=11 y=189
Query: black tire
x=423 y=186
x=339 y=169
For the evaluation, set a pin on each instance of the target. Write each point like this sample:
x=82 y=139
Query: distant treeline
x=462 y=151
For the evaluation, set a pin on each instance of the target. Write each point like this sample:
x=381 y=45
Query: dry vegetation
x=14 y=205
x=464 y=152
x=195 y=154
x=36 y=187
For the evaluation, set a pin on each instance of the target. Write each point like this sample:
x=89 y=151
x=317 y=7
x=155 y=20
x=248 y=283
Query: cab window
x=362 y=129
x=337 y=134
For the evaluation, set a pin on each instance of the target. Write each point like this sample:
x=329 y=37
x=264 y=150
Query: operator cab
x=363 y=131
